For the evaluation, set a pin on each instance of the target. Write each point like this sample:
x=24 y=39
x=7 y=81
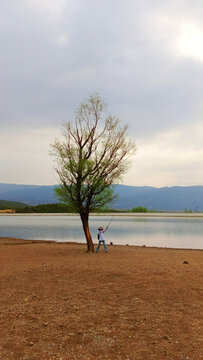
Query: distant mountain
x=30 y=194
x=175 y=198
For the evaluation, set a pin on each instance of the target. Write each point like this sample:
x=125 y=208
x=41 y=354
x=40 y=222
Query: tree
x=92 y=155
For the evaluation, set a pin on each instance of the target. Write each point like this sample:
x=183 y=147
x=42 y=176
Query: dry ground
x=58 y=302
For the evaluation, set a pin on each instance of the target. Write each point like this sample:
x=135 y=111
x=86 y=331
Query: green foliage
x=98 y=200
x=188 y=211
x=139 y=209
x=46 y=208
x=64 y=197
x=104 y=209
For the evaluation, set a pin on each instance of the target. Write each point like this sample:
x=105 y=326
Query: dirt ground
x=134 y=303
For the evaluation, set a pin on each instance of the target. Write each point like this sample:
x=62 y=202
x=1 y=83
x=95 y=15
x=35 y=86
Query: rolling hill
x=175 y=198
x=4 y=205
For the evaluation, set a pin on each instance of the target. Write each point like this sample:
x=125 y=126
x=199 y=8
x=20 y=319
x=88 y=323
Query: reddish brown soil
x=58 y=302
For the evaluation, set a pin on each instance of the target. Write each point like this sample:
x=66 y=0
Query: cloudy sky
x=144 y=57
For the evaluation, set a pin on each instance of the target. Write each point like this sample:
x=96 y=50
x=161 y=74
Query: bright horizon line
x=158 y=187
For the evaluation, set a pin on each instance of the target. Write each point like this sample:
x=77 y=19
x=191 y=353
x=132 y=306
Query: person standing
x=101 y=238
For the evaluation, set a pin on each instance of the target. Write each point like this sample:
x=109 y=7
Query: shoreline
x=20 y=241
x=159 y=215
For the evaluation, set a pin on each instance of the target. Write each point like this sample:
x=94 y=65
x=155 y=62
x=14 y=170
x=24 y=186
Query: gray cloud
x=54 y=53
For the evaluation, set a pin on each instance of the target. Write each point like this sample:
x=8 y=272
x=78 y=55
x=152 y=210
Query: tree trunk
x=85 y=224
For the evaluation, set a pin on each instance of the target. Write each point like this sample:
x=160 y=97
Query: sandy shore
x=58 y=302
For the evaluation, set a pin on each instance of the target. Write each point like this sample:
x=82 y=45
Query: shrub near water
x=139 y=209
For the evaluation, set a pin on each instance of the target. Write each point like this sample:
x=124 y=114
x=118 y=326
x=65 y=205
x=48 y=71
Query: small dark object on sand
x=111 y=243
x=185 y=262
x=164 y=337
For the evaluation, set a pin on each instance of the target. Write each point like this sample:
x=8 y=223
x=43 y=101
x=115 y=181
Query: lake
x=173 y=232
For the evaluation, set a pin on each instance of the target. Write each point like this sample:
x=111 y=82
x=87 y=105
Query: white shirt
x=101 y=235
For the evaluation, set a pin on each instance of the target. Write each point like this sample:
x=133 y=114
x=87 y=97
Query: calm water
x=163 y=232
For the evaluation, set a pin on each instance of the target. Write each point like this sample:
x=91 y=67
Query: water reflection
x=164 y=232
